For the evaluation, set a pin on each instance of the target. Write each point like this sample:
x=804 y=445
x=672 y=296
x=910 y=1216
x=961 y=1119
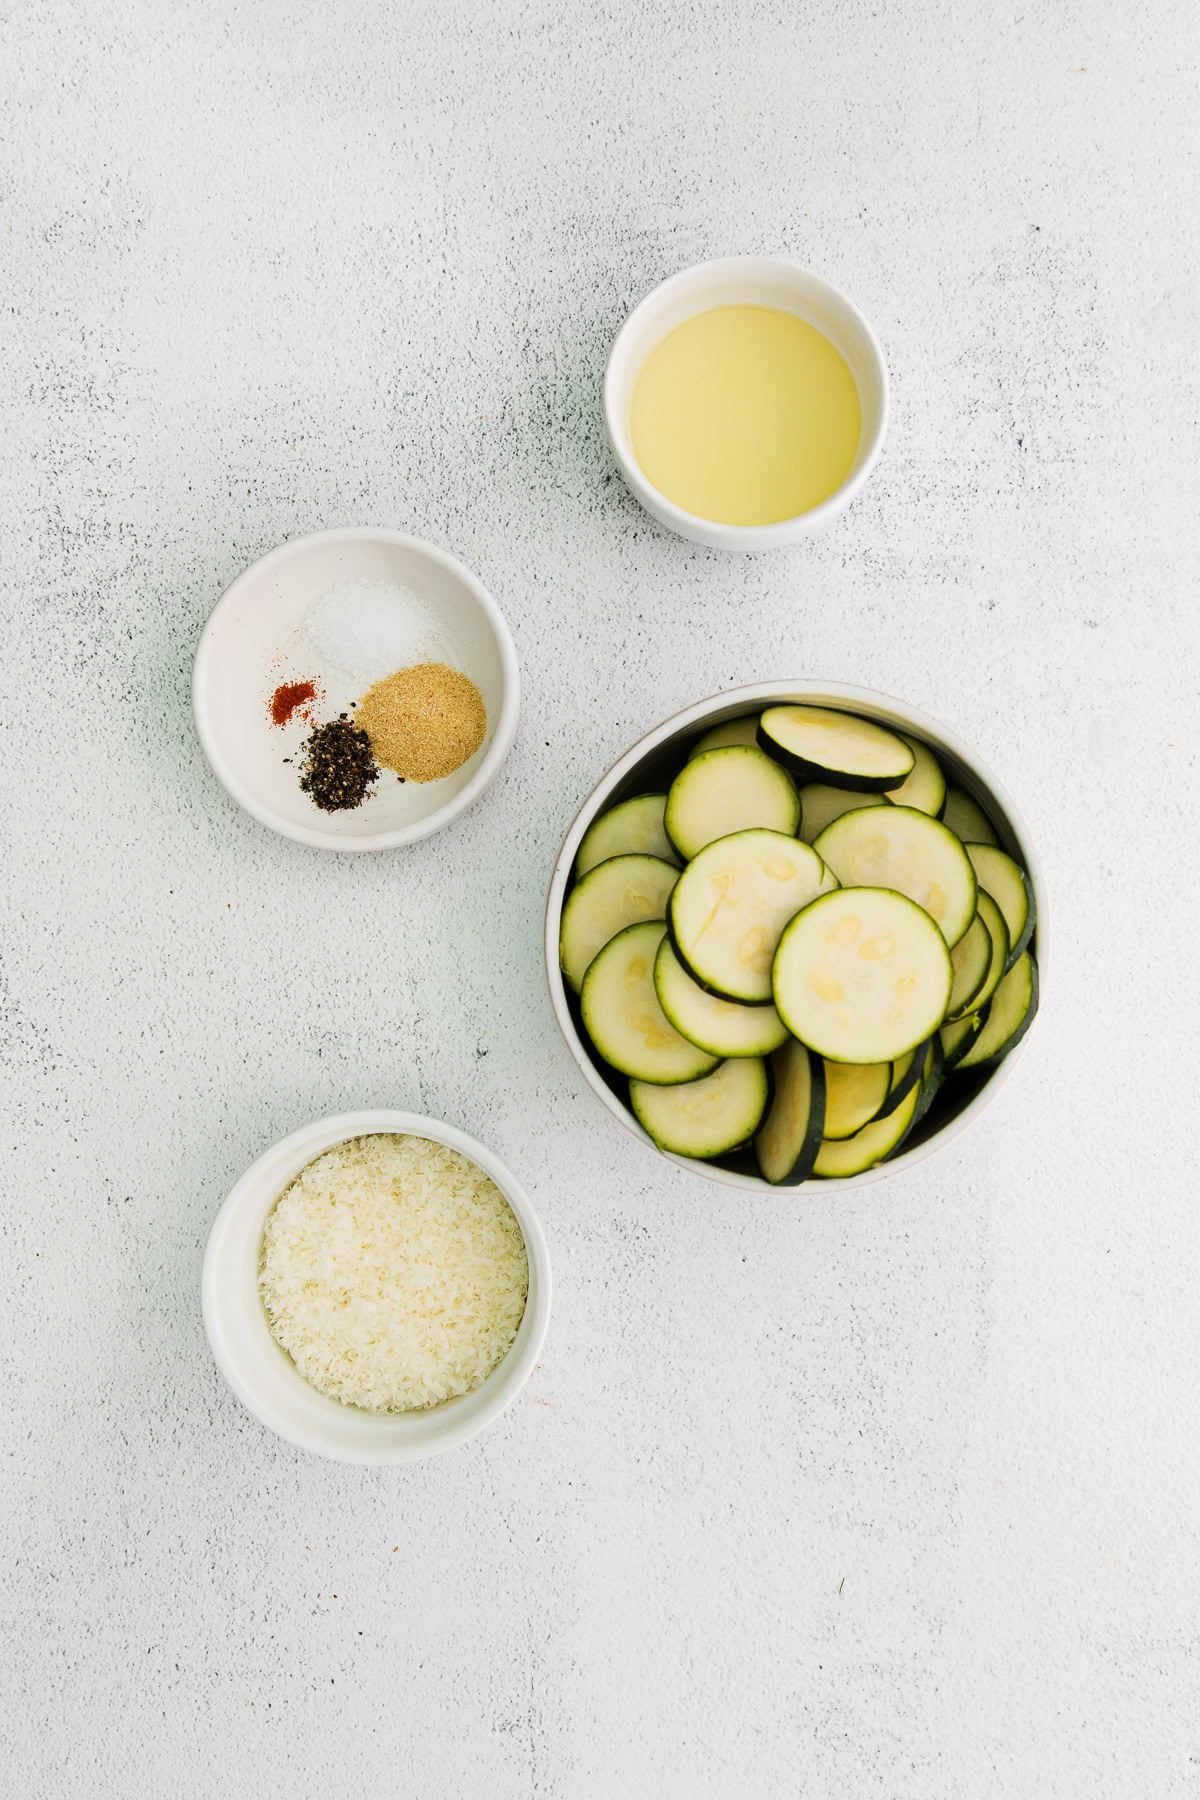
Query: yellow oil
x=746 y=415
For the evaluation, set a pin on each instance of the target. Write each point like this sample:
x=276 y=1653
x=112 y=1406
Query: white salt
x=369 y=629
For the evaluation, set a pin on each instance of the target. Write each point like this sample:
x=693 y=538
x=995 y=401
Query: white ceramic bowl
x=649 y=766
x=233 y=678
x=263 y=1376
x=745 y=281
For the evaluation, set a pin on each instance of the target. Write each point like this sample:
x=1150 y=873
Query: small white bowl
x=263 y=1376
x=233 y=678
x=745 y=281
x=650 y=764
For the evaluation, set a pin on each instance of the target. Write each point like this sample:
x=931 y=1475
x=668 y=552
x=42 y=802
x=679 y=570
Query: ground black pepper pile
x=339 y=766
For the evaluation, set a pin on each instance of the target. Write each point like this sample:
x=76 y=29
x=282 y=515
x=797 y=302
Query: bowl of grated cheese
x=376 y=1287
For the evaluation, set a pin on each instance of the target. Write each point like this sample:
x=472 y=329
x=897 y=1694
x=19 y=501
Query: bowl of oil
x=746 y=402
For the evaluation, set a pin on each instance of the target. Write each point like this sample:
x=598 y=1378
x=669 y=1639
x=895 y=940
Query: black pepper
x=339 y=766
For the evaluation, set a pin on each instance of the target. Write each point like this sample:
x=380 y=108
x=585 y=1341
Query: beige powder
x=423 y=722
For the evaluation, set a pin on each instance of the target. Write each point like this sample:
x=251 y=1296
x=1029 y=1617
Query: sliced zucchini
x=706 y=1117
x=997 y=930
x=821 y=805
x=635 y=827
x=957 y=1037
x=906 y=1073
x=836 y=748
x=829 y=881
x=722 y=1027
x=967 y=819
x=787 y=1143
x=1011 y=889
x=925 y=785
x=622 y=891
x=731 y=904
x=862 y=975
x=900 y=848
x=850 y=1156
x=931 y=1081
x=733 y=731
x=971 y=958
x=854 y=1093
x=622 y=1016
x=738 y=788
x=1008 y=1018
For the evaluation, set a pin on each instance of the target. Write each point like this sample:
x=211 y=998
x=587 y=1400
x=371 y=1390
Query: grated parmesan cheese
x=393 y=1273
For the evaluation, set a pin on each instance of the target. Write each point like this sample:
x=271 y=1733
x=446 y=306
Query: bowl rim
x=694 y=525
x=221 y=1293
x=399 y=836
x=729 y=703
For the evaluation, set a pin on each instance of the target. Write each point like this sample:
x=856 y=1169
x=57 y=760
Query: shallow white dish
x=237 y=666
x=263 y=1376
x=745 y=281
x=648 y=766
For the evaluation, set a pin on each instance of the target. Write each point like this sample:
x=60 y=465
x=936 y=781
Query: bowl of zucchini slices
x=793 y=936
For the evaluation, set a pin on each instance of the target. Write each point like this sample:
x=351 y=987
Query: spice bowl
x=249 y=648
x=649 y=767
x=263 y=1376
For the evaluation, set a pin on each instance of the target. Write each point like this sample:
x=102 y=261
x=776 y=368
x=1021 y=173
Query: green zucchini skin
x=803 y=769
x=990 y=1056
x=907 y=1081
x=996 y=870
x=795 y=1138
x=931 y=1082
x=958 y=1036
x=873 y=1144
x=971 y=959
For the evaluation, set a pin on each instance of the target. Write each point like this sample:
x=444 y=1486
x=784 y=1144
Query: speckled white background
x=892 y=1494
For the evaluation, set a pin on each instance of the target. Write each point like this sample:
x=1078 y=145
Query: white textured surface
x=891 y=1495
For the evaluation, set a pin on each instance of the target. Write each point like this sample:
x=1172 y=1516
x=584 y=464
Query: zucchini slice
x=821 y=805
x=1010 y=887
x=850 y=1156
x=967 y=819
x=706 y=1117
x=733 y=731
x=931 y=1081
x=957 y=1037
x=633 y=828
x=1008 y=1018
x=836 y=748
x=971 y=958
x=907 y=1071
x=622 y=1016
x=722 y=1027
x=723 y=791
x=854 y=1093
x=925 y=785
x=731 y=904
x=992 y=919
x=862 y=975
x=622 y=891
x=787 y=1143
x=900 y=848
